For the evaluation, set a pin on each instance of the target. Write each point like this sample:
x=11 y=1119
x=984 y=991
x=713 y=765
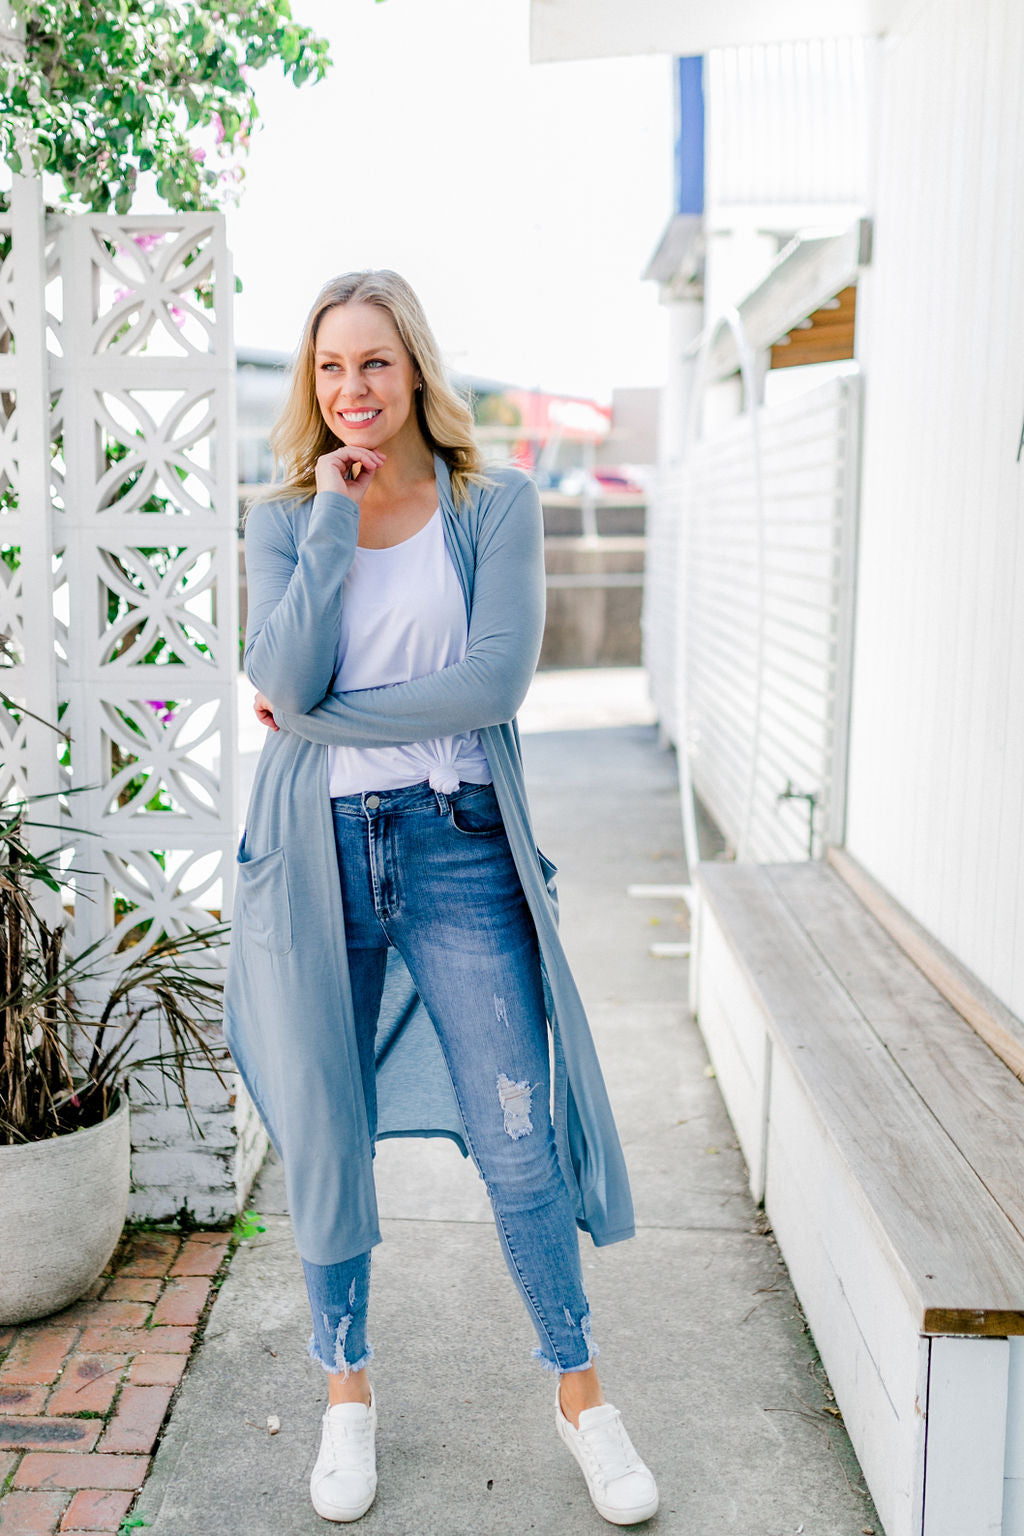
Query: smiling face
x=365 y=378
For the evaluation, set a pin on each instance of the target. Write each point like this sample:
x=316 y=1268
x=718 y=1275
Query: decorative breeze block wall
x=137 y=647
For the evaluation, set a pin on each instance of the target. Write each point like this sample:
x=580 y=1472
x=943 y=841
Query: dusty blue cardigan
x=288 y=1016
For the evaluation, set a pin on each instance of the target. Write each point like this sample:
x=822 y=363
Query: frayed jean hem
x=563 y=1370
x=546 y=1363
x=341 y=1366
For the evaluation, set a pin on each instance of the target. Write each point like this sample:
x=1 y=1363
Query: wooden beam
x=827 y=335
x=825 y=349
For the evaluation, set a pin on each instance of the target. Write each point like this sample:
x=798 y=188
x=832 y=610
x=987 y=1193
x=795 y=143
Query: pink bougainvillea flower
x=162 y=710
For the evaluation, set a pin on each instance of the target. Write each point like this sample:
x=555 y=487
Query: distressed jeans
x=433 y=875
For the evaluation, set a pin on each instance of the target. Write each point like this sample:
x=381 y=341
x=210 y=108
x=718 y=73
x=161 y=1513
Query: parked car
x=604 y=480
x=617 y=478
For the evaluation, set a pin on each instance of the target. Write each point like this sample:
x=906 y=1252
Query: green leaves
x=105 y=92
x=63 y=1060
x=247 y=1225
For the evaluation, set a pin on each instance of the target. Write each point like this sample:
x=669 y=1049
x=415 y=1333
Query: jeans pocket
x=265 y=909
x=475 y=812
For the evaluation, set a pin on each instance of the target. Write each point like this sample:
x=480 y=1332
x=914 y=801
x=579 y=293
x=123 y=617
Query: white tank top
x=403 y=615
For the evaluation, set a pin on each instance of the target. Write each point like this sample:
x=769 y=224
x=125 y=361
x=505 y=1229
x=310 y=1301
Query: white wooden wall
x=118 y=602
x=762 y=634
x=936 y=792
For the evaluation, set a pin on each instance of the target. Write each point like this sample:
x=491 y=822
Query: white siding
x=788 y=123
x=777 y=610
x=936 y=796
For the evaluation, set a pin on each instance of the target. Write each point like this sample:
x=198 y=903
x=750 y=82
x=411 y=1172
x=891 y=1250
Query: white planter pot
x=62 y=1207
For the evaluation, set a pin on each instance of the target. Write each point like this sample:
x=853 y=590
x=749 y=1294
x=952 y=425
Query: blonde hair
x=300 y=435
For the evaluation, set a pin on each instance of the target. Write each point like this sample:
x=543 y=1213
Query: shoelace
x=351 y=1444
x=611 y=1449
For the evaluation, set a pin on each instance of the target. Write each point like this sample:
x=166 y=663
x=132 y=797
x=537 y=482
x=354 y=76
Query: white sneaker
x=621 y=1486
x=344 y=1480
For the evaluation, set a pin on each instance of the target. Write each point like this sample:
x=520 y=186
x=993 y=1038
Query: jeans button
x=372 y=802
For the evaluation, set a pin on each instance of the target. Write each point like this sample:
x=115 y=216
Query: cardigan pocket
x=549 y=871
x=266 y=911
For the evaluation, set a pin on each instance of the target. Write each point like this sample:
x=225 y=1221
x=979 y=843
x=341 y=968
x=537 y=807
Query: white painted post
x=663 y=603
x=696 y=905
x=32 y=756
x=684 y=400
x=846 y=607
x=685 y=317
x=588 y=506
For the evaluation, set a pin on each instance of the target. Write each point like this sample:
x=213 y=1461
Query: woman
x=395 y=963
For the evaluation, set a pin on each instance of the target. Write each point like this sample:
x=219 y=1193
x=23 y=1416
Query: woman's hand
x=334 y=471
x=265 y=712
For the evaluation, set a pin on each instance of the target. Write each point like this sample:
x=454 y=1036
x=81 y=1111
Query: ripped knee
x=516 y=1100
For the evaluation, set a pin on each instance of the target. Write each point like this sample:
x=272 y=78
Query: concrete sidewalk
x=704 y=1348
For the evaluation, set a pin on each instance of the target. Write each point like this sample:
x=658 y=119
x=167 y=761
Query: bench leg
x=1013 y=1490
x=965 y=1454
x=693 y=980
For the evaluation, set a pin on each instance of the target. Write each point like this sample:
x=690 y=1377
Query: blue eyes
x=373 y=362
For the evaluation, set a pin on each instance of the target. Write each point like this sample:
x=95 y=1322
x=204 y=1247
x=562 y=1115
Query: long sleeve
x=294 y=590
x=487 y=687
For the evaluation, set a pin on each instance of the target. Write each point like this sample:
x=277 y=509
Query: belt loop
x=442 y=802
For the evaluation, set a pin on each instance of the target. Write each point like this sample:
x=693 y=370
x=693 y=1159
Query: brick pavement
x=84 y=1393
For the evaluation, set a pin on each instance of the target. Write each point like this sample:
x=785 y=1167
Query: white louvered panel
x=788 y=122
x=793 y=482
x=937 y=758
x=764 y=662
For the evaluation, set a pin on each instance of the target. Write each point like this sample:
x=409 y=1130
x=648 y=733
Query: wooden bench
x=886 y=1140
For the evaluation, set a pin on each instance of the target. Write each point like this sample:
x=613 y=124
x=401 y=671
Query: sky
x=521 y=201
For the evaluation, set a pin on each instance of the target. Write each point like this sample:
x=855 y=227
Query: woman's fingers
x=265 y=712
x=348 y=470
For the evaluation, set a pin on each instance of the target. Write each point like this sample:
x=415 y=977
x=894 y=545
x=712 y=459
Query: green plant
x=132 y=1523
x=246 y=1226
x=104 y=92
x=70 y=1028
